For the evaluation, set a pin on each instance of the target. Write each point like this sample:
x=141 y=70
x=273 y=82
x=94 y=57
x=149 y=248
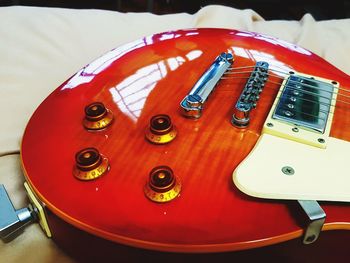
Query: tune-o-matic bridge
x=192 y=104
x=250 y=95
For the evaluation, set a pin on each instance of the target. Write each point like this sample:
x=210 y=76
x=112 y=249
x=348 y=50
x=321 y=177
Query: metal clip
x=317 y=217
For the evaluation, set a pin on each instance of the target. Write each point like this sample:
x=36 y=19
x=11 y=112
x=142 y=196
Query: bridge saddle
x=250 y=95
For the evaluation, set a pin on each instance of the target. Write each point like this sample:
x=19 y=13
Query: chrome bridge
x=250 y=95
x=192 y=104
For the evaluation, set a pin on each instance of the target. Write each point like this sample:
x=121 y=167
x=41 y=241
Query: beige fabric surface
x=41 y=47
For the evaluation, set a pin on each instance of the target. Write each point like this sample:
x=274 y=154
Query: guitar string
x=294 y=81
x=289 y=74
x=308 y=100
x=320 y=110
x=303 y=91
x=315 y=101
x=312 y=115
x=301 y=84
x=290 y=80
x=276 y=70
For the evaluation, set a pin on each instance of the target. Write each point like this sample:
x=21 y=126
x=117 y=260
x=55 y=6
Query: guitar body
x=149 y=77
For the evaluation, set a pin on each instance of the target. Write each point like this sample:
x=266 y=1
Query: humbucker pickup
x=305 y=102
x=303 y=109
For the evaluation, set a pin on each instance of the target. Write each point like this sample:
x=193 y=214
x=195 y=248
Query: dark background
x=269 y=9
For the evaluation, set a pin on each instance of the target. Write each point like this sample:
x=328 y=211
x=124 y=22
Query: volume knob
x=161 y=130
x=89 y=164
x=162 y=185
x=97 y=117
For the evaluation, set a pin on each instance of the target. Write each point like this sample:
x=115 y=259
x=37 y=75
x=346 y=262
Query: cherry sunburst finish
x=148 y=77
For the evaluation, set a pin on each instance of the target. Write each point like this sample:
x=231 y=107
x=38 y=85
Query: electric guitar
x=195 y=141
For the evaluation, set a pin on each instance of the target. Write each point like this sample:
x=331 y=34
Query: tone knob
x=161 y=130
x=90 y=164
x=97 y=117
x=162 y=185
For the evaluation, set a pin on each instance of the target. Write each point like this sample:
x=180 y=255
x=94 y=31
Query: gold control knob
x=97 y=117
x=161 y=130
x=89 y=164
x=162 y=185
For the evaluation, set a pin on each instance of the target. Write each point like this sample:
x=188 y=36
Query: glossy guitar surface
x=147 y=78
